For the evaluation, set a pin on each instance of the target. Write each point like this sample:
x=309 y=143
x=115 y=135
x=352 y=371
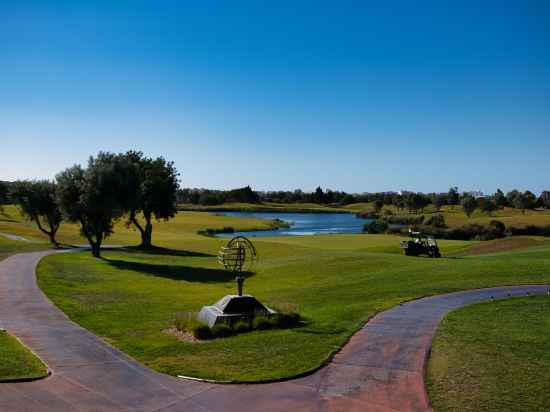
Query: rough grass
x=17 y=361
x=493 y=356
x=337 y=282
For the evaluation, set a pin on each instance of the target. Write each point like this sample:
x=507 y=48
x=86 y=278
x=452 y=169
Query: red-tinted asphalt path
x=380 y=369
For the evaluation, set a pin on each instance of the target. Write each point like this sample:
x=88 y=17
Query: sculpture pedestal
x=233 y=308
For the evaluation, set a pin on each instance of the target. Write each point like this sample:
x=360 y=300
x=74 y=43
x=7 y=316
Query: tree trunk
x=147 y=234
x=96 y=247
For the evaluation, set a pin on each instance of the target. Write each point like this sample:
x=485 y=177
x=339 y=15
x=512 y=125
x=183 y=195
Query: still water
x=303 y=224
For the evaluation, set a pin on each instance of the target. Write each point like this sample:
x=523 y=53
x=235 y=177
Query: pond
x=304 y=224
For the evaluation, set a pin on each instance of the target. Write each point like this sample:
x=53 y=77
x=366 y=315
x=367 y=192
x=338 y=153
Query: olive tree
x=37 y=202
x=469 y=204
x=91 y=197
x=153 y=186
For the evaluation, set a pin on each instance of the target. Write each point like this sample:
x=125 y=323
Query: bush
x=375 y=227
x=287 y=320
x=202 y=332
x=222 y=331
x=497 y=228
x=530 y=230
x=436 y=221
x=186 y=321
x=241 y=327
x=263 y=323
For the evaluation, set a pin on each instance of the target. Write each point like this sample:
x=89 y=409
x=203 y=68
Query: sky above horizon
x=349 y=95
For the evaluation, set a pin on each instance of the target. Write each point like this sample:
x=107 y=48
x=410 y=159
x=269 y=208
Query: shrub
x=202 y=332
x=436 y=221
x=496 y=228
x=241 y=327
x=222 y=331
x=287 y=320
x=375 y=227
x=186 y=321
x=262 y=323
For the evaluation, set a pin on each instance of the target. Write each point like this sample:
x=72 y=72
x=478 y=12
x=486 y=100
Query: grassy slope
x=337 y=282
x=17 y=361
x=493 y=357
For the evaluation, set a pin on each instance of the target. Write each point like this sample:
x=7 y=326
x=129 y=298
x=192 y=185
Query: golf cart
x=420 y=244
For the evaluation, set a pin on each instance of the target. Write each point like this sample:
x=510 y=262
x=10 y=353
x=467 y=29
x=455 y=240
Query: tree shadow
x=177 y=272
x=162 y=251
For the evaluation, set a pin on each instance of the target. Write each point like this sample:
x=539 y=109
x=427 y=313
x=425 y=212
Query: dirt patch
x=504 y=245
x=182 y=336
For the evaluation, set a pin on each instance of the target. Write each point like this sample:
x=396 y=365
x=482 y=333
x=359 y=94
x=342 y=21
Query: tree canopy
x=37 y=202
x=91 y=197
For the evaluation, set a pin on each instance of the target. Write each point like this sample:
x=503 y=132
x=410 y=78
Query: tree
x=499 y=199
x=439 y=201
x=319 y=196
x=525 y=200
x=91 y=197
x=487 y=206
x=154 y=192
x=545 y=199
x=37 y=202
x=3 y=195
x=452 y=196
x=377 y=205
x=469 y=204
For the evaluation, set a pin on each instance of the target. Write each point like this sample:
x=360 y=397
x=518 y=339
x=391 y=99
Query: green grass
x=337 y=282
x=17 y=361
x=493 y=356
x=10 y=247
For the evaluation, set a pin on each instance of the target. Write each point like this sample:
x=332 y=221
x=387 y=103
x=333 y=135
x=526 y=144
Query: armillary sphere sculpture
x=237 y=256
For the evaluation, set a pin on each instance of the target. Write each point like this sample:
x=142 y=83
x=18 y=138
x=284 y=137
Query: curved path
x=380 y=369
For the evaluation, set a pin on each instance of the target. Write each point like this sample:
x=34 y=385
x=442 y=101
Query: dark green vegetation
x=188 y=323
x=493 y=356
x=337 y=282
x=37 y=202
x=17 y=361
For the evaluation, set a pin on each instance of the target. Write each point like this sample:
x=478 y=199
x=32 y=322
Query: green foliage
x=469 y=204
x=186 y=321
x=92 y=197
x=241 y=327
x=375 y=227
x=222 y=331
x=263 y=323
x=202 y=332
x=151 y=191
x=437 y=221
x=37 y=202
x=287 y=320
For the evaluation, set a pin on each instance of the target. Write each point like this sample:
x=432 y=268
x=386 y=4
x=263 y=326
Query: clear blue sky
x=349 y=95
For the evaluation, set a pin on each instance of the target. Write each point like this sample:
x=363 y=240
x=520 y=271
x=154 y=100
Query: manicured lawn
x=10 y=247
x=17 y=361
x=493 y=356
x=337 y=282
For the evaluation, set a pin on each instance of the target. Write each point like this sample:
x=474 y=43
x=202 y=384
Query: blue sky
x=349 y=95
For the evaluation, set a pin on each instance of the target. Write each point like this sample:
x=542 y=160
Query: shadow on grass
x=176 y=272
x=161 y=251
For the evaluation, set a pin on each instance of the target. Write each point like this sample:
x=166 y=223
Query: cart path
x=380 y=369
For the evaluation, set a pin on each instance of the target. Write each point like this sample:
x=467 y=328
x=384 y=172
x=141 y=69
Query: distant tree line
x=412 y=202
x=112 y=186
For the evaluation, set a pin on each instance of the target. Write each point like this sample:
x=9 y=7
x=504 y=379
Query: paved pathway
x=380 y=369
